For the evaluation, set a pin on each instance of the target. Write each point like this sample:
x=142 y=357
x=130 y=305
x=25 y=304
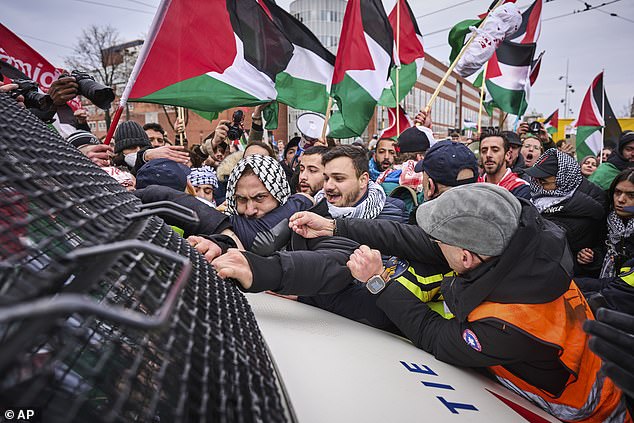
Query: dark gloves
x=613 y=342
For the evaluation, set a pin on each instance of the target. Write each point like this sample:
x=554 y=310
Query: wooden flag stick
x=327 y=118
x=180 y=114
x=484 y=75
x=503 y=120
x=455 y=62
x=398 y=67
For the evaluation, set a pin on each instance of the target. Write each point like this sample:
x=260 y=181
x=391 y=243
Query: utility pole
x=566 y=92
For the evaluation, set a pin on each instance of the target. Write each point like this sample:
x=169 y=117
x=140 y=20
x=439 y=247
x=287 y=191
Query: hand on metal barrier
x=233 y=264
x=206 y=247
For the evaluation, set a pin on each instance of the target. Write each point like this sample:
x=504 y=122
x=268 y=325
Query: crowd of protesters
x=490 y=255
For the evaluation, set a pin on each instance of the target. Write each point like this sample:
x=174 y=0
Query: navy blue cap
x=164 y=172
x=444 y=161
x=413 y=140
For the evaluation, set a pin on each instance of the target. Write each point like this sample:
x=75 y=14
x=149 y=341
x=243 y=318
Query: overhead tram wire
x=115 y=7
x=153 y=6
x=445 y=8
x=543 y=20
x=45 y=41
x=576 y=12
x=614 y=14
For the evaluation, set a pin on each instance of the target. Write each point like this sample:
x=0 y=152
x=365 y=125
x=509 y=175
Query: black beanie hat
x=294 y=142
x=130 y=134
x=80 y=138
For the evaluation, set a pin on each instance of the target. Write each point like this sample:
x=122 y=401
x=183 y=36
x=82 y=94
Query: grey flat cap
x=481 y=218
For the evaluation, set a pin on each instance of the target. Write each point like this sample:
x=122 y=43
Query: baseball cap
x=413 y=140
x=164 y=172
x=481 y=218
x=444 y=161
x=513 y=138
x=545 y=166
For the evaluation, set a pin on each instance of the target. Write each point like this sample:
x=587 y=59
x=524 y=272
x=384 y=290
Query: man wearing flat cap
x=516 y=310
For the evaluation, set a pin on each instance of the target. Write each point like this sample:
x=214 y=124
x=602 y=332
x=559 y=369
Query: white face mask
x=130 y=159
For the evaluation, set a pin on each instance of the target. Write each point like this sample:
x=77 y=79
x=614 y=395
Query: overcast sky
x=590 y=40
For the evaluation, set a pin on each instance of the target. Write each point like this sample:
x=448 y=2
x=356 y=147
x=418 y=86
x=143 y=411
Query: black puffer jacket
x=582 y=216
x=543 y=274
x=211 y=221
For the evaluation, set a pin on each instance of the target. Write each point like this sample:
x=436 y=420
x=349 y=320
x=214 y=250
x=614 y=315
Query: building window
x=101 y=125
x=92 y=125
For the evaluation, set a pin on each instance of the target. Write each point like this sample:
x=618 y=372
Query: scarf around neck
x=369 y=208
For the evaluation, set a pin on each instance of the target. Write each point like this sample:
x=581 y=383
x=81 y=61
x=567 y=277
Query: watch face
x=375 y=284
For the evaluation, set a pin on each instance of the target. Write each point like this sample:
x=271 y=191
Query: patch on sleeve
x=472 y=340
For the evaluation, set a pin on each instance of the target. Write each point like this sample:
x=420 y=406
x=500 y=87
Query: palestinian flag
x=612 y=131
x=410 y=56
x=404 y=122
x=590 y=121
x=458 y=34
x=362 y=68
x=531 y=26
x=507 y=76
x=551 y=123
x=217 y=54
x=535 y=67
x=303 y=84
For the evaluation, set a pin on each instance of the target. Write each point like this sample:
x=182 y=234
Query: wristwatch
x=377 y=283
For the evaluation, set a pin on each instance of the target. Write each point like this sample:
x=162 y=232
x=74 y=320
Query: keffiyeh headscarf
x=203 y=176
x=568 y=180
x=369 y=208
x=618 y=230
x=268 y=170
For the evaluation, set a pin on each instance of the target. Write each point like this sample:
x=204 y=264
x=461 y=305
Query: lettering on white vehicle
x=452 y=406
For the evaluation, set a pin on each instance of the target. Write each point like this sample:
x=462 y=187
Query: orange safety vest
x=589 y=396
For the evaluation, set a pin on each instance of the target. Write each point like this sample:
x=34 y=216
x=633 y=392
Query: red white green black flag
x=216 y=54
x=551 y=123
x=362 y=67
x=590 y=121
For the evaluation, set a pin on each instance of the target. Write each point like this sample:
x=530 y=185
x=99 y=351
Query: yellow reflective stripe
x=424 y=296
x=419 y=293
x=439 y=307
x=178 y=230
x=627 y=275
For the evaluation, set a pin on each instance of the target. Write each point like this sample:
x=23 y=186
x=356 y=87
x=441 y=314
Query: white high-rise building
x=324 y=18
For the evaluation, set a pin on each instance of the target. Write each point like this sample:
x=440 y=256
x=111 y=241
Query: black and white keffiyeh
x=369 y=208
x=268 y=170
x=568 y=179
x=617 y=231
x=203 y=176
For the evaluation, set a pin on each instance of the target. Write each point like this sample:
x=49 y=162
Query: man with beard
x=311 y=170
x=383 y=158
x=515 y=161
x=494 y=152
x=349 y=192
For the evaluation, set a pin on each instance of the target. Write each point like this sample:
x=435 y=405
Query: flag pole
x=327 y=118
x=398 y=67
x=180 y=111
x=603 y=112
x=484 y=76
x=503 y=120
x=140 y=61
x=455 y=62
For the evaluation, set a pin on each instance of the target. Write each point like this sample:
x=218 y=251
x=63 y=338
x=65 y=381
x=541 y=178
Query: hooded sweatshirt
x=606 y=172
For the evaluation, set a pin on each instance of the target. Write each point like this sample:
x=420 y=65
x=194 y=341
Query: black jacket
x=616 y=293
x=582 y=216
x=543 y=274
x=211 y=221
